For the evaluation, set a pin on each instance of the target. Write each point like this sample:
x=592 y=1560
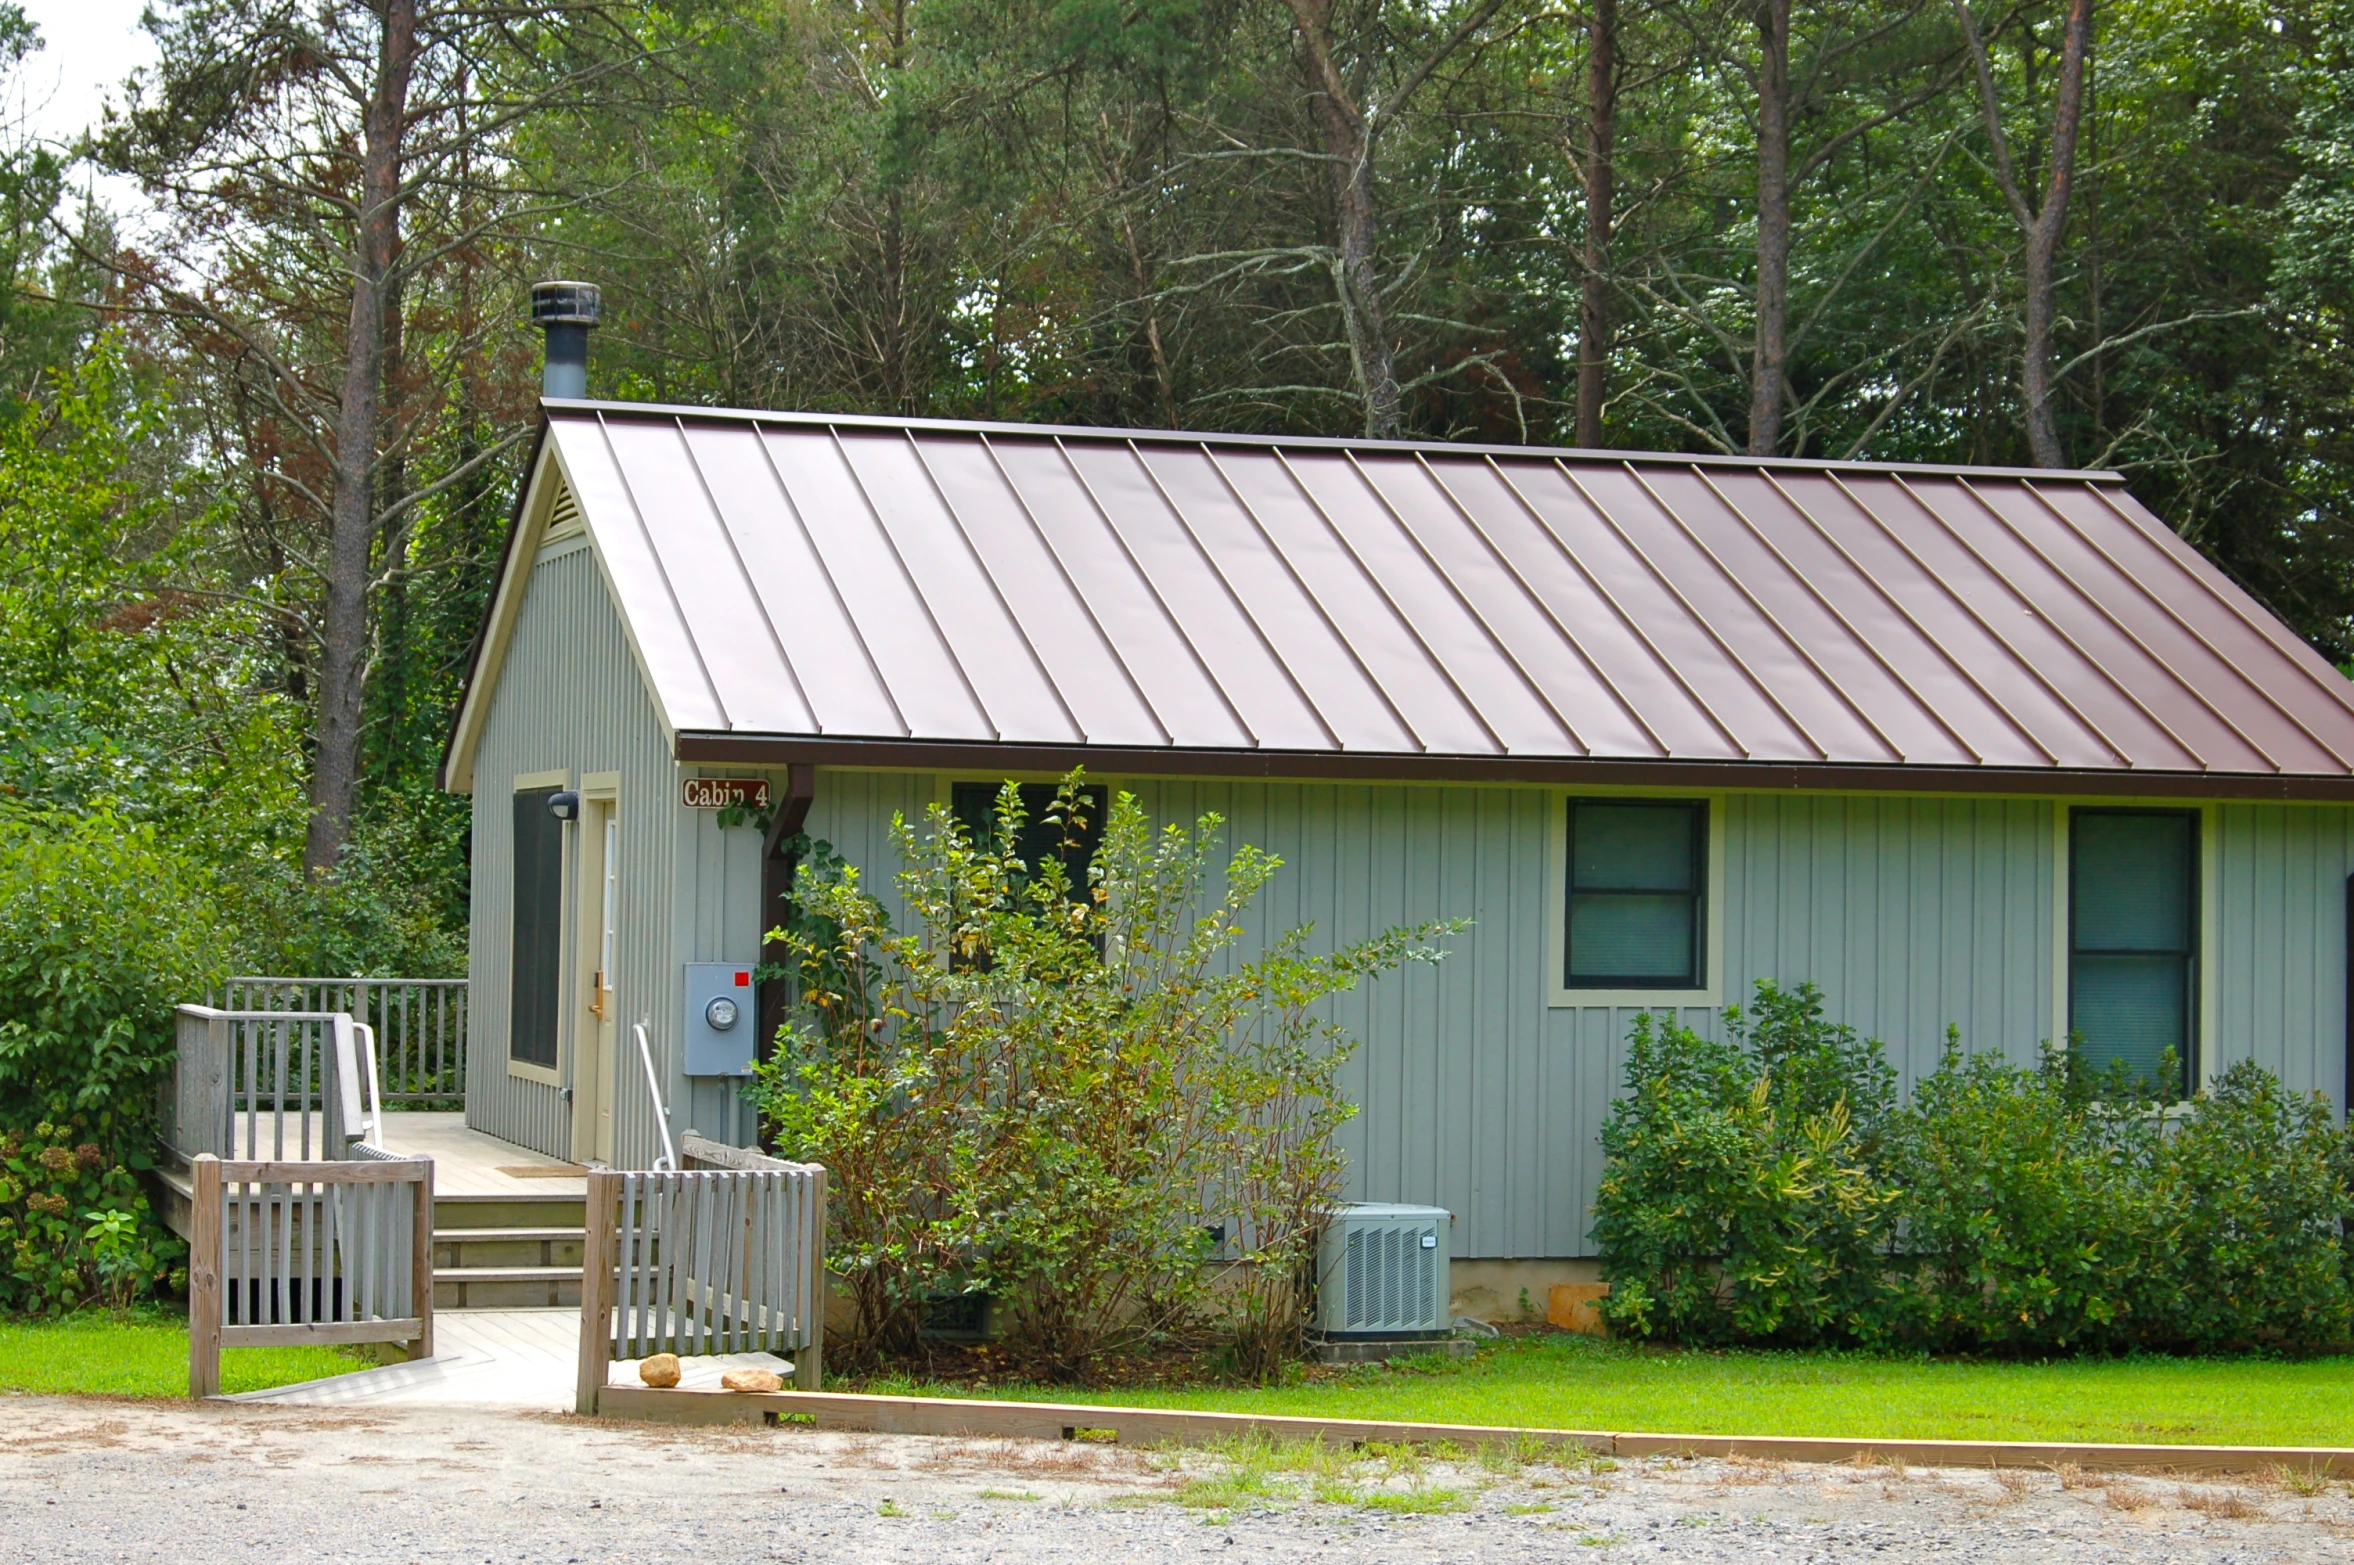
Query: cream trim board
x=600 y=785
x=539 y=497
x=2060 y=863
x=563 y=548
x=546 y=1076
x=2203 y=1041
x=1712 y=957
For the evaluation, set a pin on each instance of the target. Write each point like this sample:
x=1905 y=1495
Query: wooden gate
x=704 y=1261
x=295 y=1252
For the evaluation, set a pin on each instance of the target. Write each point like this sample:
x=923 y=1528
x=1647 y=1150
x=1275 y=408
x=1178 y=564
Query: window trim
x=2199 y=1017
x=1558 y=993
x=527 y=1070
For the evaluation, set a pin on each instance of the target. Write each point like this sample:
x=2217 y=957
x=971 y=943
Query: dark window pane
x=974 y=804
x=2132 y=1008
x=1634 y=894
x=1637 y=847
x=539 y=917
x=2133 y=925
x=1619 y=938
x=2133 y=882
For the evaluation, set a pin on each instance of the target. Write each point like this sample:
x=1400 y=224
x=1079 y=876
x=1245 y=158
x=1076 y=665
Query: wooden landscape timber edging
x=1171 y=1427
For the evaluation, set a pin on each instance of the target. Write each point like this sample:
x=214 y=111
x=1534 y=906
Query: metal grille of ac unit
x=1384 y=1271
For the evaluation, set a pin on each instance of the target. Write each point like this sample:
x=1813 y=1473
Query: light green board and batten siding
x=1477 y=1093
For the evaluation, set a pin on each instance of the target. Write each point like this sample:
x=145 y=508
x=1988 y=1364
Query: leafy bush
x=103 y=930
x=2025 y=1211
x=2245 y=1246
x=1769 y=1190
x=1071 y=1098
x=1746 y=1196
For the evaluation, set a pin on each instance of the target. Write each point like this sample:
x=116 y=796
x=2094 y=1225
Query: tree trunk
x=1601 y=184
x=1355 y=220
x=1770 y=361
x=2042 y=226
x=335 y=767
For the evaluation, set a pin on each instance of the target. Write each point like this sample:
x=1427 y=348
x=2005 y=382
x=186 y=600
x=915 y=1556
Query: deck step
x=505 y=1287
x=474 y=1249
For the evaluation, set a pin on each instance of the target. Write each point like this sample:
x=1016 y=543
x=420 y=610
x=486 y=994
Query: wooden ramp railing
x=728 y=1257
x=295 y=1252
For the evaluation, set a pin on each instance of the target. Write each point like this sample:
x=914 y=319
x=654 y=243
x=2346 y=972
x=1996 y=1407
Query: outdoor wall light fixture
x=564 y=805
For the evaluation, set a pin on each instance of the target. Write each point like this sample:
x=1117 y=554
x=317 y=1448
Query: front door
x=593 y=1052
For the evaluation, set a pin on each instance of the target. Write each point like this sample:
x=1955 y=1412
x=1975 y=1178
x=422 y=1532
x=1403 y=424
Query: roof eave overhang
x=732 y=749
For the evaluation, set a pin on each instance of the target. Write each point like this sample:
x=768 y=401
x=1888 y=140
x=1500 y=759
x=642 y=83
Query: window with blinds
x=1637 y=871
x=539 y=921
x=2133 y=940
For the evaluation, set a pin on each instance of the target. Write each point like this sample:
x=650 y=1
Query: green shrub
x=2245 y=1242
x=1746 y=1197
x=103 y=930
x=1069 y=1097
x=1769 y=1190
x=2024 y=1209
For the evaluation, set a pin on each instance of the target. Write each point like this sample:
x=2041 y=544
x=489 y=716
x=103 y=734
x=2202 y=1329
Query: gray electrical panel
x=722 y=1019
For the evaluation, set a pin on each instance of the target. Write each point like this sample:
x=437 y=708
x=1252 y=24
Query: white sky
x=90 y=46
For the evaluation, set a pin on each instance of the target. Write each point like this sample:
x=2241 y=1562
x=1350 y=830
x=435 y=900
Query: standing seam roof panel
x=1348 y=704
x=796 y=594
x=1180 y=695
x=657 y=624
x=849 y=578
x=1139 y=509
x=893 y=621
x=732 y=636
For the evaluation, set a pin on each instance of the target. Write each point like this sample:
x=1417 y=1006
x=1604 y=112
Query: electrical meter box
x=722 y=1019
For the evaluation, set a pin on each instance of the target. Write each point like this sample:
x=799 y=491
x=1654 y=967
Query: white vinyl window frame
x=525 y=1070
x=1558 y=994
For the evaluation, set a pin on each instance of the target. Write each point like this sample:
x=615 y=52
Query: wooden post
x=809 y=1363
x=421 y=1264
x=597 y=1260
x=204 y=1280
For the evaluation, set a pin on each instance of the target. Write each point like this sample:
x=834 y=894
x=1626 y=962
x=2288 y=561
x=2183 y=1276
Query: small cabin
x=1961 y=746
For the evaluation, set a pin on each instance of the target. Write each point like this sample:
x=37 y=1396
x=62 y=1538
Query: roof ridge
x=553 y=406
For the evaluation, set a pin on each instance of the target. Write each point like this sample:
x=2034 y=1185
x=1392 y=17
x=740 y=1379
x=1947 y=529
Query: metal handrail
x=668 y=1162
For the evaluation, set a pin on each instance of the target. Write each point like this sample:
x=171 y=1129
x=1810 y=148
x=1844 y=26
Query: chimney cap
x=559 y=303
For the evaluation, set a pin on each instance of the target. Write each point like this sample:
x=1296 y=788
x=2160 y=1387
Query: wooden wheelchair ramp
x=494 y=1358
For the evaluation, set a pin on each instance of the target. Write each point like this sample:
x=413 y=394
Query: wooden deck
x=495 y=1358
x=466 y=1163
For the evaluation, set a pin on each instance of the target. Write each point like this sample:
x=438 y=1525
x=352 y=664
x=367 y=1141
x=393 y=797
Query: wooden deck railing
x=260 y=1084
x=420 y=1026
x=725 y=1257
x=294 y=1252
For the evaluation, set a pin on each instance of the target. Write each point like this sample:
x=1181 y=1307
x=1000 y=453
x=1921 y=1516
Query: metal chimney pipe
x=567 y=312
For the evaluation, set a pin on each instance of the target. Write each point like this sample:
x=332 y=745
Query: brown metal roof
x=818 y=587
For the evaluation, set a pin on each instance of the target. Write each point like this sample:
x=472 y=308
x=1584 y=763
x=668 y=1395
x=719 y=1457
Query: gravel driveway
x=92 y=1480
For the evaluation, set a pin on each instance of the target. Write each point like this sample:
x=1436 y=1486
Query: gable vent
x=563 y=516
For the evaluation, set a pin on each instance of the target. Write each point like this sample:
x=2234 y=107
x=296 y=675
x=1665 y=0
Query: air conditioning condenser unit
x=1381 y=1273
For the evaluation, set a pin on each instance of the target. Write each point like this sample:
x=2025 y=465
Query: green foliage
x=1769 y=1190
x=1059 y=1094
x=1746 y=1197
x=2026 y=1199
x=75 y=1228
x=103 y=930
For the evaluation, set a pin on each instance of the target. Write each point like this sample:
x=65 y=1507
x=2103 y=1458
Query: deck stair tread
x=504 y=1273
x=507 y=1235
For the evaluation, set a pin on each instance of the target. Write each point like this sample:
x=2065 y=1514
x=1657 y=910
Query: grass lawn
x=1567 y=1382
x=144 y=1355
